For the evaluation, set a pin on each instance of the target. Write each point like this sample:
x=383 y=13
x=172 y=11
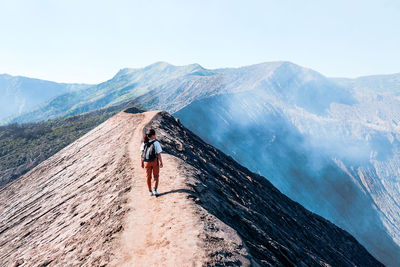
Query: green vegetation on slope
x=24 y=146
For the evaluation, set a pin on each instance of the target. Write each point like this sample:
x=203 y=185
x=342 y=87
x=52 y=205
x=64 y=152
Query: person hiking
x=151 y=159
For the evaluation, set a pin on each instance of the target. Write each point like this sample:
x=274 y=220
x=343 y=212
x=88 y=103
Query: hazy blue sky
x=89 y=41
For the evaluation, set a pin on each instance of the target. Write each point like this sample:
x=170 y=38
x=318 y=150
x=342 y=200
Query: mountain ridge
x=128 y=84
x=122 y=88
x=210 y=211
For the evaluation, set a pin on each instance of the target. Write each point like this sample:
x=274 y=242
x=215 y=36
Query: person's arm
x=158 y=151
x=159 y=160
x=141 y=153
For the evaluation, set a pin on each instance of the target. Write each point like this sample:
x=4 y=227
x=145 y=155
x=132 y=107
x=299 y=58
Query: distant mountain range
x=331 y=144
x=19 y=94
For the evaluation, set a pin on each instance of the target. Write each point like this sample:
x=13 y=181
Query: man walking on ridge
x=151 y=159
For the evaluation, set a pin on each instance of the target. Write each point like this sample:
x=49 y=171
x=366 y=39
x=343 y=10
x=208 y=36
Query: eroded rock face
x=76 y=207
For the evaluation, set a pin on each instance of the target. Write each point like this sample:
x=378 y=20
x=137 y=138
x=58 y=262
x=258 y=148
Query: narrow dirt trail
x=163 y=230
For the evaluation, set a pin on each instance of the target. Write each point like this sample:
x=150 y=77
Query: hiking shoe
x=155 y=192
x=151 y=193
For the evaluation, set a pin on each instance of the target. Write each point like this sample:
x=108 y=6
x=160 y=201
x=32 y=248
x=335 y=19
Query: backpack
x=149 y=151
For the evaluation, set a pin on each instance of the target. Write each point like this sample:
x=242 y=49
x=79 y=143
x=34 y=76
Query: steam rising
x=289 y=131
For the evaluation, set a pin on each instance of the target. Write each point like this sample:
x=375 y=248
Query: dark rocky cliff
x=276 y=230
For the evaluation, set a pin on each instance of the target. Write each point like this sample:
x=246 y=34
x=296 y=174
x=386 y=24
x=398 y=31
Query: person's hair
x=148 y=134
x=145 y=138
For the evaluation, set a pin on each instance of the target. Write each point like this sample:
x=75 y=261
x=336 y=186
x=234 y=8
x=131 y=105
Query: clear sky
x=89 y=41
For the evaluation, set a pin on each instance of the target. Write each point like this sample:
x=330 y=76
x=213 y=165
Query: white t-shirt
x=157 y=147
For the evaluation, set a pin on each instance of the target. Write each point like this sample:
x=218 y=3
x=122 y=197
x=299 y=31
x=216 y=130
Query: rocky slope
x=21 y=94
x=88 y=205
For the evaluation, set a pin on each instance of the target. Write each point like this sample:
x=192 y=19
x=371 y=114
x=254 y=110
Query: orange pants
x=152 y=167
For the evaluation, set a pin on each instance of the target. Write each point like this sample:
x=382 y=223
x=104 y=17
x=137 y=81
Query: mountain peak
x=160 y=65
x=88 y=205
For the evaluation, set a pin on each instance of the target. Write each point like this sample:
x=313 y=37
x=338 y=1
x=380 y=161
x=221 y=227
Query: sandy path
x=162 y=231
